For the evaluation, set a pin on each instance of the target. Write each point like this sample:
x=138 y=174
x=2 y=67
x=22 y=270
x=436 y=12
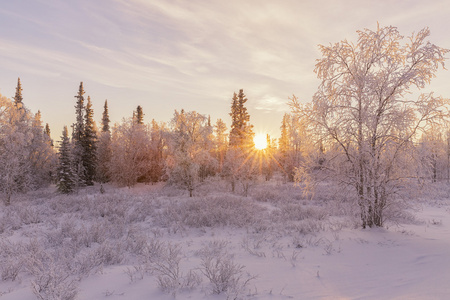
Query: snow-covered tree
x=130 y=148
x=364 y=111
x=220 y=142
x=158 y=155
x=25 y=157
x=189 y=131
x=66 y=177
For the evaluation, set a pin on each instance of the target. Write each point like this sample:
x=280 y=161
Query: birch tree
x=364 y=109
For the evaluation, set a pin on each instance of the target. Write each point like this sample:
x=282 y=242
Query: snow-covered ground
x=129 y=244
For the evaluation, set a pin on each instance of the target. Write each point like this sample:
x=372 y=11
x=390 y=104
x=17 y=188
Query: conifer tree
x=77 y=137
x=139 y=115
x=18 y=96
x=104 y=147
x=241 y=134
x=47 y=134
x=105 y=118
x=89 y=143
x=66 y=179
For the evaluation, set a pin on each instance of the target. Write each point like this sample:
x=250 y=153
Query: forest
x=351 y=158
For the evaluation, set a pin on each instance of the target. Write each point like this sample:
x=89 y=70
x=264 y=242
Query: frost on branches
x=365 y=115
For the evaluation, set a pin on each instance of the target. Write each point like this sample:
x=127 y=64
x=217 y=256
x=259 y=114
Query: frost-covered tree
x=42 y=156
x=25 y=157
x=130 y=148
x=158 y=155
x=220 y=142
x=292 y=146
x=364 y=111
x=189 y=131
x=89 y=143
x=65 y=175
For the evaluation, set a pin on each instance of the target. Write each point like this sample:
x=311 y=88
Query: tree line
x=362 y=130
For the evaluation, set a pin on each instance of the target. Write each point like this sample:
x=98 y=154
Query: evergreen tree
x=47 y=134
x=18 y=96
x=105 y=118
x=241 y=134
x=234 y=132
x=139 y=115
x=104 y=148
x=77 y=137
x=89 y=143
x=66 y=179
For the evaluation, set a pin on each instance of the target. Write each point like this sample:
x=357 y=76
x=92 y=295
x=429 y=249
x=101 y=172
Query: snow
x=405 y=260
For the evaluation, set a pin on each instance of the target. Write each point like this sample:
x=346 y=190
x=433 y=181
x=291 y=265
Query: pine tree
x=241 y=134
x=89 y=143
x=104 y=147
x=105 y=118
x=234 y=132
x=47 y=134
x=77 y=137
x=66 y=179
x=18 y=96
x=139 y=115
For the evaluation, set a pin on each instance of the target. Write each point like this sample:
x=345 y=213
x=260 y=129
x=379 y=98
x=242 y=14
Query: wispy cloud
x=195 y=53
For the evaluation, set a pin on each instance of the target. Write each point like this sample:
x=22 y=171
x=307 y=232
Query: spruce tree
x=139 y=115
x=89 y=143
x=241 y=134
x=47 y=134
x=66 y=179
x=77 y=137
x=104 y=148
x=105 y=118
x=18 y=96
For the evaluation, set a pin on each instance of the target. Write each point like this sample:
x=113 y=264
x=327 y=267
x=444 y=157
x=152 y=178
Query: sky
x=167 y=55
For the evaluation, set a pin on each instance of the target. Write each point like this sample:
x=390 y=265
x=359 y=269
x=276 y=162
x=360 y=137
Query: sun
x=260 y=141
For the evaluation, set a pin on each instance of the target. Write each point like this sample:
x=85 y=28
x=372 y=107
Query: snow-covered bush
x=224 y=274
x=213 y=211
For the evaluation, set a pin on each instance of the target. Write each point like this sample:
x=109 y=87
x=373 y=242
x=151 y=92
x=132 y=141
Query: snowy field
x=153 y=242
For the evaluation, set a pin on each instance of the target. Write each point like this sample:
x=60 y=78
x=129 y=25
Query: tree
x=139 y=115
x=15 y=169
x=42 y=156
x=241 y=134
x=157 y=145
x=25 y=157
x=105 y=118
x=77 y=137
x=220 y=142
x=364 y=111
x=185 y=144
x=89 y=143
x=48 y=136
x=130 y=148
x=104 y=148
x=66 y=178
x=18 y=96
x=238 y=165
x=293 y=146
